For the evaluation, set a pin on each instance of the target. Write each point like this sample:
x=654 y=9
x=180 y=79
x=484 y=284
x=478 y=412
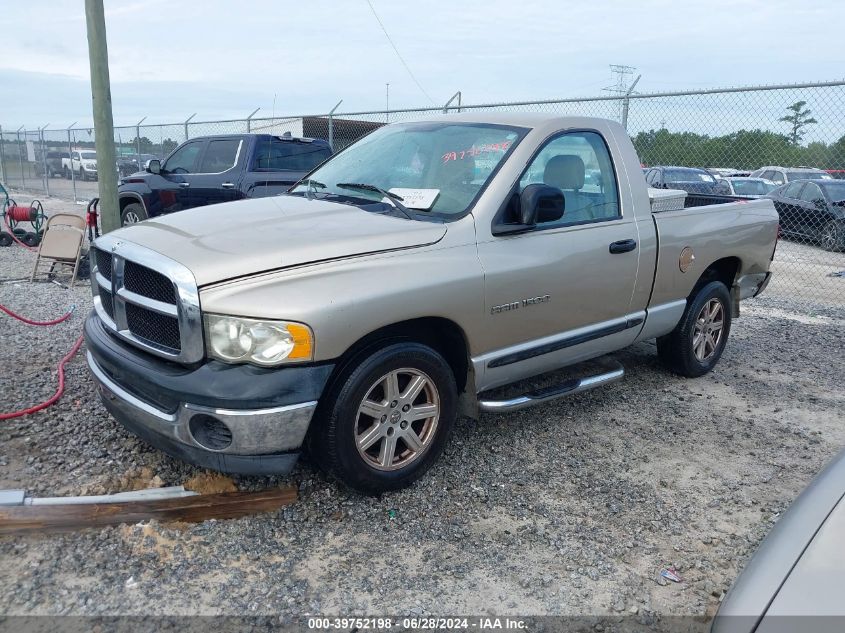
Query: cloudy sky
x=223 y=59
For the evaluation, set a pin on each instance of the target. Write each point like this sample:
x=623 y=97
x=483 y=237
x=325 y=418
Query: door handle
x=184 y=184
x=623 y=246
x=228 y=185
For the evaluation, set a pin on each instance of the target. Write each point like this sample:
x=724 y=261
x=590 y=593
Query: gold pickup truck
x=400 y=282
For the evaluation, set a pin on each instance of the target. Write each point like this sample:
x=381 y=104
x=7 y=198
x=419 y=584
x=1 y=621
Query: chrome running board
x=546 y=394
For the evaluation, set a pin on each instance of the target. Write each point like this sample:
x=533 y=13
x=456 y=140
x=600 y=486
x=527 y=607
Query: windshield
x=807 y=175
x=687 y=175
x=88 y=155
x=752 y=187
x=436 y=167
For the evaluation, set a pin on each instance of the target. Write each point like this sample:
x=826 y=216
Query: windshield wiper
x=395 y=200
x=311 y=186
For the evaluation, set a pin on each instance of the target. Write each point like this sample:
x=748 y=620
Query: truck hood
x=236 y=239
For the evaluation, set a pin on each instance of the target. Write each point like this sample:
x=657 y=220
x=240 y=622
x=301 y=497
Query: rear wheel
x=132 y=214
x=386 y=420
x=696 y=344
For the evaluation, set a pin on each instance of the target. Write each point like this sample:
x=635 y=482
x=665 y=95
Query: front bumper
x=191 y=414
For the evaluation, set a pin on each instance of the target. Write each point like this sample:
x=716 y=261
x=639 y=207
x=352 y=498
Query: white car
x=783 y=175
x=747 y=186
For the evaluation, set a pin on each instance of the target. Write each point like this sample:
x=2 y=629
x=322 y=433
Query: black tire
x=31 y=239
x=5 y=239
x=332 y=441
x=132 y=209
x=677 y=350
x=832 y=236
x=67 y=173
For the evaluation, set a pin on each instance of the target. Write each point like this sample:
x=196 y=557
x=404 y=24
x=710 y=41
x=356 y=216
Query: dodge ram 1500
x=399 y=283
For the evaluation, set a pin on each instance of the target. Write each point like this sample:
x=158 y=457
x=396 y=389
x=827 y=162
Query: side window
x=183 y=159
x=811 y=193
x=75 y=156
x=792 y=190
x=577 y=163
x=275 y=155
x=649 y=177
x=220 y=156
x=776 y=176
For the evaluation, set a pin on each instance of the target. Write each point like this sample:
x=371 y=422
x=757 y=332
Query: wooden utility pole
x=98 y=57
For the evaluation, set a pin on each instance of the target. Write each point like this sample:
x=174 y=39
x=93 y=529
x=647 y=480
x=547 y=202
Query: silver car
x=799 y=570
x=747 y=187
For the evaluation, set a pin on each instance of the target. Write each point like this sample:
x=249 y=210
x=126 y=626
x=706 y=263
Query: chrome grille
x=147 y=299
x=103 y=262
x=108 y=305
x=148 y=283
x=154 y=328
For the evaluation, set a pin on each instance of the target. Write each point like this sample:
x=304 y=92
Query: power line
x=396 y=50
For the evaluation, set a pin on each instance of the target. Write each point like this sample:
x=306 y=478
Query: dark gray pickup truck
x=212 y=169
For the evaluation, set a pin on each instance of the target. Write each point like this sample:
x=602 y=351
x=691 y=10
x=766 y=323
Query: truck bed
x=711 y=226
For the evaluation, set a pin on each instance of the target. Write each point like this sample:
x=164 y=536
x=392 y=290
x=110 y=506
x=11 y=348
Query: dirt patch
x=133 y=479
x=207 y=483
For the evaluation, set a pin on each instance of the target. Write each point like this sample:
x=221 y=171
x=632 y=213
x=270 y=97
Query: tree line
x=745 y=149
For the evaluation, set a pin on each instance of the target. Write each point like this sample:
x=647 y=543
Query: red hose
x=31 y=322
x=15 y=237
x=60 y=390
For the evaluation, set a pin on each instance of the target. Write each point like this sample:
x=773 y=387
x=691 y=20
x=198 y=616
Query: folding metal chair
x=61 y=244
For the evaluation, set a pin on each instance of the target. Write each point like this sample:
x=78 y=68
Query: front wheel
x=385 y=421
x=832 y=237
x=694 y=347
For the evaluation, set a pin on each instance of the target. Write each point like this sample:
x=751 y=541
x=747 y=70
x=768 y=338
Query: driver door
x=562 y=291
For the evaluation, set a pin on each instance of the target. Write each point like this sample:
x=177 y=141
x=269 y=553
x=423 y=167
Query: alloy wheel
x=397 y=419
x=830 y=236
x=707 y=333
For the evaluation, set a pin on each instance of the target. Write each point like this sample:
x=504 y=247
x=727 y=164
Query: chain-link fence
x=750 y=139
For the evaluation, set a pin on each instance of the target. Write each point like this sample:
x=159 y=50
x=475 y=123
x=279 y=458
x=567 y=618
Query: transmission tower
x=623 y=87
x=623 y=75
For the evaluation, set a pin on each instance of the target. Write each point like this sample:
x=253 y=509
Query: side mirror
x=540 y=203
x=153 y=166
x=536 y=204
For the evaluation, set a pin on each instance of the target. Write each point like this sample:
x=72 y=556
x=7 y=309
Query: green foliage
x=167 y=146
x=745 y=150
x=798 y=119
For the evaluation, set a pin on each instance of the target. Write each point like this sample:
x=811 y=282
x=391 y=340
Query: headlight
x=237 y=340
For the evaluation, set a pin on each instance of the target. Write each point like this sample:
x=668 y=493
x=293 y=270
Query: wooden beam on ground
x=226 y=505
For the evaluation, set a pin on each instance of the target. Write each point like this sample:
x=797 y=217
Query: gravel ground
x=571 y=508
